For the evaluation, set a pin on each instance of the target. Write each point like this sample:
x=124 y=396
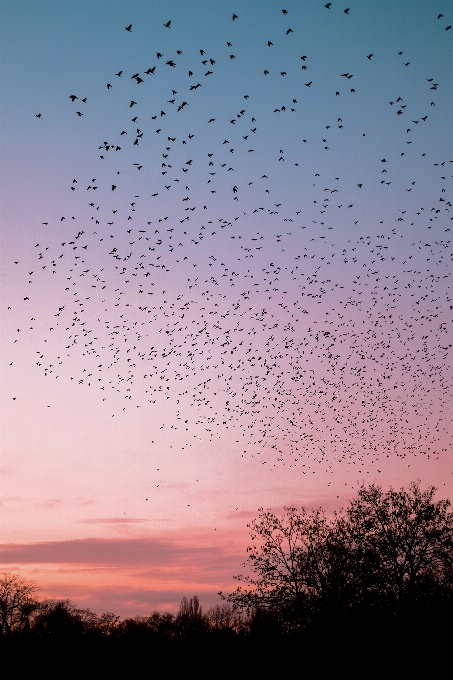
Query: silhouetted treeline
x=23 y=616
x=378 y=573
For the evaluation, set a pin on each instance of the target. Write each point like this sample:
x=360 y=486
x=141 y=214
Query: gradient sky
x=258 y=314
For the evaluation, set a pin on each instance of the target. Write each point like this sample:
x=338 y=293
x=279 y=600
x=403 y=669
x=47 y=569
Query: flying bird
x=287 y=331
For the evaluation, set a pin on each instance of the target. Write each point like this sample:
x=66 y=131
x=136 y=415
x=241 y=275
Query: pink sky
x=79 y=523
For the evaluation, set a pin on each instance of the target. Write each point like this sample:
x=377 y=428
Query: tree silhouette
x=225 y=622
x=62 y=619
x=406 y=544
x=388 y=552
x=190 y=619
x=17 y=602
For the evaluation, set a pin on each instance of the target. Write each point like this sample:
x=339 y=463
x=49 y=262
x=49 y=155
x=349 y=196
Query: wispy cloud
x=128 y=576
x=113 y=520
x=127 y=553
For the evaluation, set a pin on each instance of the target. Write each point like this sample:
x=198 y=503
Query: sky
x=226 y=279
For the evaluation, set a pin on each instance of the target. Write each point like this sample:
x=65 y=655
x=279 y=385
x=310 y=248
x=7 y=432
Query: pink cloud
x=6 y=500
x=129 y=576
x=51 y=503
x=126 y=553
x=112 y=520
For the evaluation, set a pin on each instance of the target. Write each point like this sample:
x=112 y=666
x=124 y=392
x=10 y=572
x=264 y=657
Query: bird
x=129 y=28
x=285 y=324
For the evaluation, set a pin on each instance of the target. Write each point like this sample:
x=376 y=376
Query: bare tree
x=387 y=550
x=190 y=618
x=222 y=617
x=406 y=542
x=108 y=623
x=17 y=602
x=298 y=561
x=62 y=618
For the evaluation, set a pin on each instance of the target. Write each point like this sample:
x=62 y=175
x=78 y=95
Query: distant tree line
x=384 y=562
x=23 y=615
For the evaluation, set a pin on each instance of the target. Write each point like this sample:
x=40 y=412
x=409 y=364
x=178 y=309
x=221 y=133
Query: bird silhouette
x=259 y=302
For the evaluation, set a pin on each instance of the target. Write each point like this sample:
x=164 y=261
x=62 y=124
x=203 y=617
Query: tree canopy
x=17 y=602
x=388 y=553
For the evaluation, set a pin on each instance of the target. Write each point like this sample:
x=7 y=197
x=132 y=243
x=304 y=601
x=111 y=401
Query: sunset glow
x=226 y=280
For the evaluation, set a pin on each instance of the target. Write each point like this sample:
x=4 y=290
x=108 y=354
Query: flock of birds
x=314 y=334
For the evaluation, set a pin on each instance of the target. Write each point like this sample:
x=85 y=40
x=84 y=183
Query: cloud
x=51 y=503
x=113 y=520
x=6 y=500
x=128 y=576
x=137 y=553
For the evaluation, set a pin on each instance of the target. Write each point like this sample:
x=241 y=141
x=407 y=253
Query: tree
x=190 y=618
x=17 y=602
x=61 y=618
x=162 y=624
x=147 y=627
x=299 y=561
x=406 y=544
x=107 y=623
x=223 y=618
x=387 y=551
